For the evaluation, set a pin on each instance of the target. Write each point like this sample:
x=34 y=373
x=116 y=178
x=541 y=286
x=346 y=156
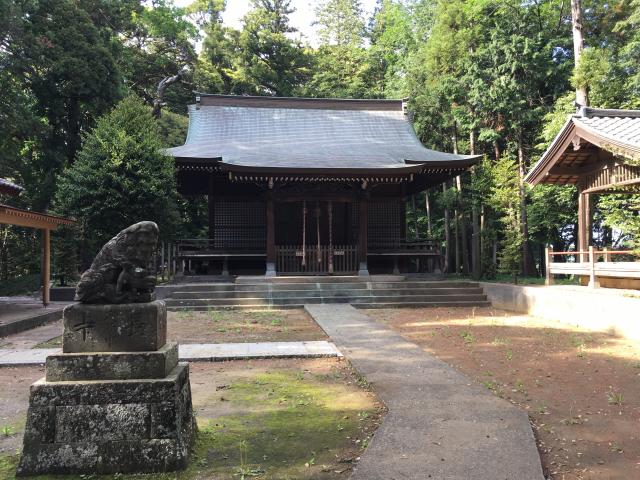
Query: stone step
x=319 y=279
x=359 y=305
x=234 y=287
x=399 y=299
x=184 y=295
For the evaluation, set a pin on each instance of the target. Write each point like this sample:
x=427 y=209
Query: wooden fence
x=336 y=259
x=593 y=263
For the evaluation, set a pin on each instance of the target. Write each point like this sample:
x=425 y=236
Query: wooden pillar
x=363 y=223
x=593 y=282
x=548 y=255
x=271 y=235
x=582 y=243
x=588 y=218
x=212 y=222
x=46 y=265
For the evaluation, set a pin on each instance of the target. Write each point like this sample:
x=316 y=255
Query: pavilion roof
x=574 y=151
x=27 y=218
x=268 y=135
x=9 y=188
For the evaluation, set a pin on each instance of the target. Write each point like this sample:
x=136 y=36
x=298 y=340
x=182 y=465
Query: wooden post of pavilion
x=363 y=222
x=584 y=223
x=44 y=223
x=46 y=265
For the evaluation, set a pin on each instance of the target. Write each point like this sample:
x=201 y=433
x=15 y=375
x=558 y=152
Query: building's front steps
x=384 y=291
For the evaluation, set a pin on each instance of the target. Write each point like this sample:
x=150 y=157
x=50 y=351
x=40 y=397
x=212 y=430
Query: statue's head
x=137 y=243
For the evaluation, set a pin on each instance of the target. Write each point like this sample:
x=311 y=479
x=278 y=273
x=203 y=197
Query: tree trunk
x=582 y=92
x=476 y=264
x=74 y=139
x=158 y=101
x=427 y=207
x=463 y=228
x=457 y=228
x=447 y=235
x=529 y=268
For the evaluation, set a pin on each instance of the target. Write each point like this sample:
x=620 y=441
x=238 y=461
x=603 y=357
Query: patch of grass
x=216 y=315
x=614 y=398
x=489 y=384
x=467 y=336
x=500 y=341
x=580 y=341
x=52 y=343
x=185 y=313
x=573 y=421
x=509 y=355
x=519 y=386
x=615 y=447
x=542 y=408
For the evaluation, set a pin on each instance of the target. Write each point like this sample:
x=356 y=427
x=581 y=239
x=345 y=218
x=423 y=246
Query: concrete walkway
x=211 y=352
x=440 y=424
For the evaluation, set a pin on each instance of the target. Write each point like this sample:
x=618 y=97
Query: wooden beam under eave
x=618 y=187
x=27 y=222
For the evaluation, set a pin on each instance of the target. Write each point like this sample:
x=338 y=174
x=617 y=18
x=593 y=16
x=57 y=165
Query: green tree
x=159 y=53
x=272 y=63
x=120 y=177
x=64 y=61
x=341 y=22
x=341 y=64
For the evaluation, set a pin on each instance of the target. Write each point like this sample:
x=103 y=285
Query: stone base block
x=112 y=366
x=105 y=427
x=130 y=327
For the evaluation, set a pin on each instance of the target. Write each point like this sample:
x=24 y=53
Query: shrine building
x=306 y=186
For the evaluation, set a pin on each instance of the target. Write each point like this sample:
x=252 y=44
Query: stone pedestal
x=110 y=410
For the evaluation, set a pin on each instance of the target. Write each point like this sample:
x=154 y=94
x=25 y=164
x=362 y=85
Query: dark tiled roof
x=299 y=135
x=613 y=130
x=9 y=188
x=616 y=125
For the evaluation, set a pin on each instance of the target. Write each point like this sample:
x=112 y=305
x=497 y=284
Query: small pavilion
x=598 y=151
x=26 y=218
x=306 y=186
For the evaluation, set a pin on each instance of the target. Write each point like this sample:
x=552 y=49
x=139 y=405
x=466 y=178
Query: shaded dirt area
x=267 y=419
x=231 y=326
x=581 y=389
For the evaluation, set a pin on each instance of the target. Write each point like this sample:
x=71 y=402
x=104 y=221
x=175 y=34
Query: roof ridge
x=318 y=99
x=304 y=103
x=590 y=112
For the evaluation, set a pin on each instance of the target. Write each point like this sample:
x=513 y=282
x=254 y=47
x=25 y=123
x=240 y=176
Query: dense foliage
x=492 y=77
x=119 y=177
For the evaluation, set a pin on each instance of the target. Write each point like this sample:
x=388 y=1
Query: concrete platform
x=207 y=352
x=440 y=424
x=18 y=314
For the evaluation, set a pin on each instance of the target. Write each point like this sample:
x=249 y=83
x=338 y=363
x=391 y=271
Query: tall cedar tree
x=273 y=63
x=119 y=178
x=341 y=63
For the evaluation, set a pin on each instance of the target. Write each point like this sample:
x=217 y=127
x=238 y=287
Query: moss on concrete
x=283 y=424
